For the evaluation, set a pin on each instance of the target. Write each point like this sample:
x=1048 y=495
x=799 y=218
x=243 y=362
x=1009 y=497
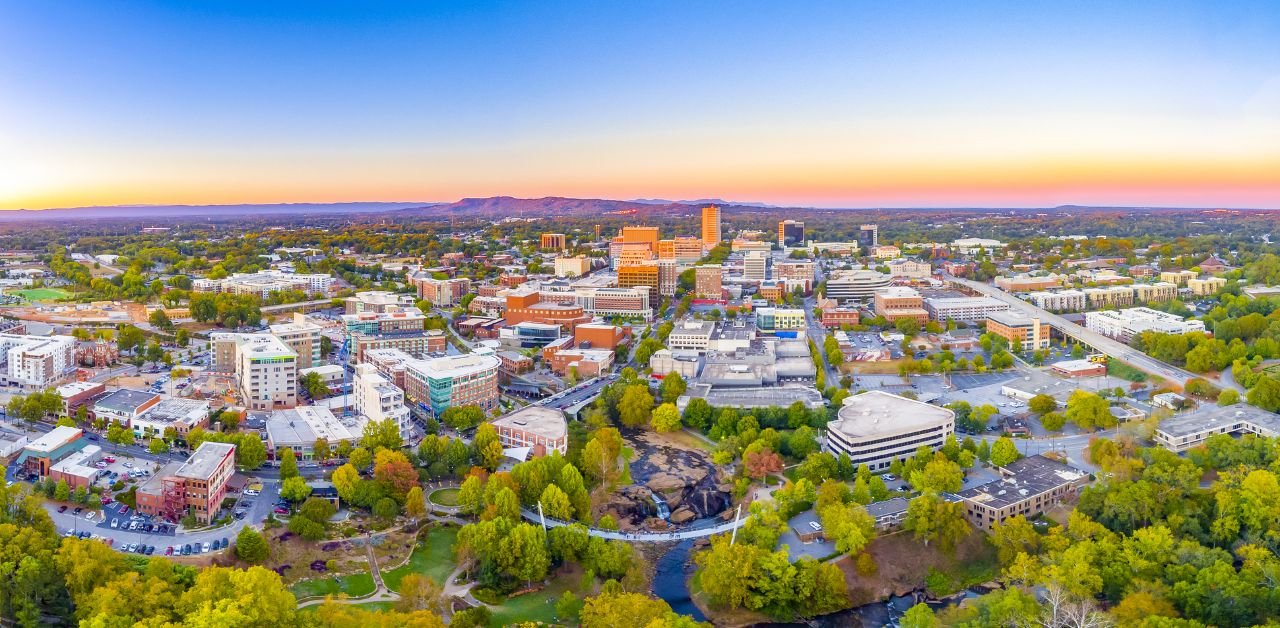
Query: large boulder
x=683 y=515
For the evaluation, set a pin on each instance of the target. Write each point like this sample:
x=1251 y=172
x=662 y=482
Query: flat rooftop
x=540 y=420
x=125 y=400
x=174 y=409
x=876 y=412
x=1209 y=417
x=1010 y=318
x=202 y=463
x=1024 y=478
x=304 y=424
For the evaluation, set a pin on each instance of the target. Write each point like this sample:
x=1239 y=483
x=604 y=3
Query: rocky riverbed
x=685 y=479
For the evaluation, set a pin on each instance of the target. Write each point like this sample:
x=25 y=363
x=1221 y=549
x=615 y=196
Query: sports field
x=42 y=294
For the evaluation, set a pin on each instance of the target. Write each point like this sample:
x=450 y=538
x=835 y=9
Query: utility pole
x=733 y=537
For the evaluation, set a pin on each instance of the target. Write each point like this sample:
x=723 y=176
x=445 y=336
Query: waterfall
x=664 y=511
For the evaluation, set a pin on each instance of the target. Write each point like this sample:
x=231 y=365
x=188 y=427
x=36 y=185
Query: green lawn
x=533 y=607
x=354 y=585
x=432 y=558
x=445 y=497
x=1116 y=368
x=42 y=294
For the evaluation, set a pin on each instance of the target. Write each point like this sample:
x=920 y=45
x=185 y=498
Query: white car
x=250 y=492
x=91 y=515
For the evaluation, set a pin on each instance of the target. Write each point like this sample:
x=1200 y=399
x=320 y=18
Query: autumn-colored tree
x=762 y=462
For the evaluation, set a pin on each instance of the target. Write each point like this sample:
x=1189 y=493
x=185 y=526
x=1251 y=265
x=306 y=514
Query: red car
x=282 y=511
x=109 y=459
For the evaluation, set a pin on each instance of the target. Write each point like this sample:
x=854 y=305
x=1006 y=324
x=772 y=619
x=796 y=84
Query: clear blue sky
x=844 y=103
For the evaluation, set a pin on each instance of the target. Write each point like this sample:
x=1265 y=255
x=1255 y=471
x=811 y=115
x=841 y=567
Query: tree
x=384 y=434
x=673 y=385
x=1053 y=421
x=288 y=465
x=386 y=509
x=250 y=451
x=420 y=593
x=635 y=406
x=160 y=320
x=251 y=547
x=1088 y=411
x=1004 y=452
x=761 y=462
x=555 y=503
x=415 y=504
x=344 y=480
x=666 y=418
x=698 y=414
x=295 y=489
x=627 y=610
x=1042 y=404
x=1228 y=396
x=919 y=616
x=488 y=446
x=320 y=450
x=848 y=525
x=935 y=519
x=938 y=475
x=157 y=446
x=62 y=491
x=129 y=338
x=360 y=458
x=568 y=606
x=395 y=473
x=471 y=495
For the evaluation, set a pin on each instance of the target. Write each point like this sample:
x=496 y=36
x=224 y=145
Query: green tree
x=666 y=418
x=636 y=405
x=288 y=465
x=673 y=385
x=919 y=616
x=360 y=458
x=1042 y=404
x=698 y=414
x=1229 y=396
x=295 y=489
x=932 y=518
x=251 y=547
x=1004 y=452
x=415 y=504
x=157 y=446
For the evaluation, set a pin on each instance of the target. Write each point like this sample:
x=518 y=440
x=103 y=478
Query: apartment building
x=1159 y=291
x=684 y=250
x=265 y=368
x=779 y=319
x=708 y=282
x=263 y=283
x=1113 y=296
x=383 y=322
x=443 y=293
x=377 y=302
x=963 y=309
x=37 y=362
x=1061 y=301
x=418 y=343
x=563 y=355
x=1023 y=332
x=1207 y=286
x=377 y=399
x=1031 y=283
x=303 y=336
x=1177 y=277
x=194 y=488
x=1124 y=325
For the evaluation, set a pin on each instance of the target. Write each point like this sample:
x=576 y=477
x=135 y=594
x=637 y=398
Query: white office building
x=37 y=362
x=875 y=428
x=377 y=399
x=1124 y=325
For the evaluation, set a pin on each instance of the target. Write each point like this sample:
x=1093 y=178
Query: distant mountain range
x=201 y=211
x=495 y=207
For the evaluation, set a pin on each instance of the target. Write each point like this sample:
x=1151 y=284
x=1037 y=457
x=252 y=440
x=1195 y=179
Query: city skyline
x=833 y=105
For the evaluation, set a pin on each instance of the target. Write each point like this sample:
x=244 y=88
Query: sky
x=839 y=104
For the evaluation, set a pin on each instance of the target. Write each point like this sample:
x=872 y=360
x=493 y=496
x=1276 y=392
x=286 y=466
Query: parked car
x=133 y=525
x=115 y=523
x=225 y=543
x=206 y=547
x=62 y=508
x=168 y=551
x=91 y=515
x=186 y=549
x=78 y=510
x=281 y=511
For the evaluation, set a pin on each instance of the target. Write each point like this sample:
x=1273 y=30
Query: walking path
x=642 y=537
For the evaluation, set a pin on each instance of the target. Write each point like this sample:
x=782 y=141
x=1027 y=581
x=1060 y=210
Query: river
x=671 y=584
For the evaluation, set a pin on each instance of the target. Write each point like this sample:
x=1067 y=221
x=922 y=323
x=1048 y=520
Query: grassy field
x=42 y=294
x=1116 y=368
x=445 y=497
x=354 y=585
x=539 y=606
x=433 y=558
